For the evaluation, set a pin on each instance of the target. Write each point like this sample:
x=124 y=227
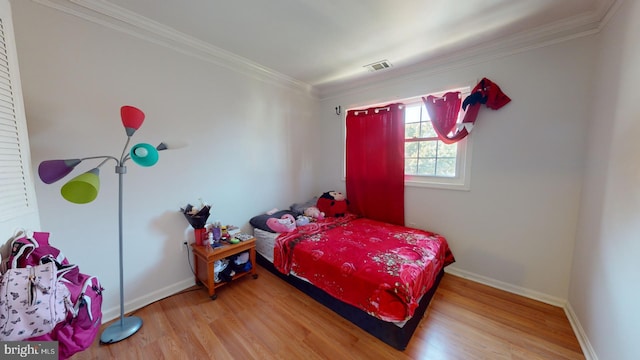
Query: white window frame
x=462 y=180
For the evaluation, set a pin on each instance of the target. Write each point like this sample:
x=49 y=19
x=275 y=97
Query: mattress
x=393 y=334
x=265 y=242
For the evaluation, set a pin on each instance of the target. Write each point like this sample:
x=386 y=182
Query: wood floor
x=266 y=318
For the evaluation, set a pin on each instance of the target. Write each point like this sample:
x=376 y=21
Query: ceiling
x=327 y=43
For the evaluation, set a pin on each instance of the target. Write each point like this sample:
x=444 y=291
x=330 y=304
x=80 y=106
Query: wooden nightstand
x=204 y=256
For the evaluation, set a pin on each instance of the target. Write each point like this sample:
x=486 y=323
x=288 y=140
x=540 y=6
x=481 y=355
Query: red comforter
x=381 y=268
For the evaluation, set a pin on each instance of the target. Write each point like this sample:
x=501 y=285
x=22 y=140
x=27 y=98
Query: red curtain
x=444 y=110
x=375 y=163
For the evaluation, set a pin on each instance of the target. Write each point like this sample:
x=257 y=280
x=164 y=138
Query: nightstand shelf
x=205 y=256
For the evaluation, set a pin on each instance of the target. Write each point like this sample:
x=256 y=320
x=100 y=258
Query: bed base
x=397 y=337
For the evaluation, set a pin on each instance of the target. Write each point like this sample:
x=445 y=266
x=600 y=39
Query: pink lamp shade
x=51 y=171
x=132 y=118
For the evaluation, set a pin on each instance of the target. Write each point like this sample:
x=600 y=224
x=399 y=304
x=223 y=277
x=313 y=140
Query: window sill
x=435 y=184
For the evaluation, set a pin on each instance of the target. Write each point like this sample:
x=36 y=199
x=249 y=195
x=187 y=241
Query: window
x=429 y=161
x=425 y=155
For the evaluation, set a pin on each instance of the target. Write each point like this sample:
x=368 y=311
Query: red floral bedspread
x=381 y=268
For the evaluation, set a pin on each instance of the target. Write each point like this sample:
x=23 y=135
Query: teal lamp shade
x=83 y=188
x=144 y=154
x=132 y=118
x=51 y=171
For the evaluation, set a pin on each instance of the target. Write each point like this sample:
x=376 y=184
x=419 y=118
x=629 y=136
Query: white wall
x=515 y=228
x=250 y=145
x=604 y=291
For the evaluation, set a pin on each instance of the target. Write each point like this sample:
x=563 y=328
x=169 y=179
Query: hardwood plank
x=267 y=318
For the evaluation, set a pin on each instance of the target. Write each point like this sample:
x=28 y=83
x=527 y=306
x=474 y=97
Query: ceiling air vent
x=378 y=65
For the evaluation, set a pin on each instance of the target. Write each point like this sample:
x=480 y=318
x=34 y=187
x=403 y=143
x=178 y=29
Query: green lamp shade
x=144 y=154
x=83 y=188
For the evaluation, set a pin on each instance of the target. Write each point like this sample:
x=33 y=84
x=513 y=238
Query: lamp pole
x=129 y=325
x=84 y=188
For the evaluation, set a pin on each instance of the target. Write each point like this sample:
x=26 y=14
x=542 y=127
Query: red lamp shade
x=132 y=118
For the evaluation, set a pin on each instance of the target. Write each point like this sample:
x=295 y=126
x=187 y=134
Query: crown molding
x=606 y=11
x=550 y=34
x=117 y=18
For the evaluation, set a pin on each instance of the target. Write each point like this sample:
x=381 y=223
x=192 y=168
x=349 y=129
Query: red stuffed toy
x=332 y=204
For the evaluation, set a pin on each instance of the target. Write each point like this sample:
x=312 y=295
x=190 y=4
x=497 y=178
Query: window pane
x=427 y=130
x=411 y=149
x=446 y=167
x=427 y=167
x=428 y=149
x=412 y=114
x=411 y=166
x=445 y=150
x=412 y=130
x=425 y=114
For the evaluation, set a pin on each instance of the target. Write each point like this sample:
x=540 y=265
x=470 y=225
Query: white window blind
x=14 y=194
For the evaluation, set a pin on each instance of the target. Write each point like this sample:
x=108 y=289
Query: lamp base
x=121 y=329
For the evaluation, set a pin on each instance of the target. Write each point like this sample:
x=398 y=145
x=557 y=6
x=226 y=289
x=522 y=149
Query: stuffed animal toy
x=314 y=213
x=285 y=224
x=333 y=204
x=302 y=220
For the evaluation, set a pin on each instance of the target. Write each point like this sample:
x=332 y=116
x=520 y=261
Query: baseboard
x=585 y=344
x=531 y=294
x=135 y=304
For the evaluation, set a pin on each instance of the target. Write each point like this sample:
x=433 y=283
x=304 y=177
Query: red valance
x=444 y=110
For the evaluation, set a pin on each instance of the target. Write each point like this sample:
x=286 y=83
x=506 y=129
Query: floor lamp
x=84 y=188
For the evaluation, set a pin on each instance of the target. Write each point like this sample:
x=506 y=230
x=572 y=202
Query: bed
x=379 y=276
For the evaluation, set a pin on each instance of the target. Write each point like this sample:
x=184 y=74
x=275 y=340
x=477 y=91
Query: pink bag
x=29 y=248
x=81 y=327
x=32 y=302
